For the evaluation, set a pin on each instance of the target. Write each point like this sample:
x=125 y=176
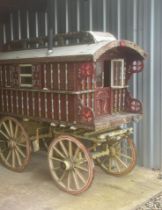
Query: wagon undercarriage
x=71 y=152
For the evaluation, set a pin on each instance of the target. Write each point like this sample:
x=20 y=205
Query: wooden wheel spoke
x=125 y=156
x=64 y=148
x=110 y=164
x=70 y=149
x=63 y=176
x=76 y=153
x=57 y=159
x=6 y=128
x=81 y=162
x=80 y=175
x=11 y=128
x=81 y=168
x=20 y=138
x=76 y=182
x=20 y=151
x=120 y=161
x=8 y=155
x=69 y=180
x=56 y=168
x=59 y=152
x=21 y=145
x=6 y=136
x=13 y=158
x=16 y=131
x=117 y=166
x=18 y=158
x=3 y=150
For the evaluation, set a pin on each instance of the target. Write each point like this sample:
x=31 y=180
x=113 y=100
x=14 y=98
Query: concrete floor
x=35 y=190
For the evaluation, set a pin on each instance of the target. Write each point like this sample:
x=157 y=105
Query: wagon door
x=115 y=79
x=111 y=86
x=102 y=93
x=115 y=74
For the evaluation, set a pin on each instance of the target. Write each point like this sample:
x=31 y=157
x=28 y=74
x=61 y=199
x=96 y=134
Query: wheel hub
x=12 y=144
x=68 y=165
x=112 y=151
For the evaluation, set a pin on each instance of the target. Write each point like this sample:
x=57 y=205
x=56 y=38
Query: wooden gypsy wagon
x=74 y=99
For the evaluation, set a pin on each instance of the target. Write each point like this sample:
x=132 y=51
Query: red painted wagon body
x=78 y=90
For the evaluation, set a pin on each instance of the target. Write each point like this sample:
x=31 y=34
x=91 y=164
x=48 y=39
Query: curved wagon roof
x=100 y=43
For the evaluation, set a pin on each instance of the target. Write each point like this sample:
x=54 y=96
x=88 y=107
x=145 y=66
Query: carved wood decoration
x=103 y=101
x=134 y=67
x=133 y=105
x=37 y=79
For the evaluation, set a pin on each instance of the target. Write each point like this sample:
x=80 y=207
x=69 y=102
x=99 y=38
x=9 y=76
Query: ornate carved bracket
x=133 y=105
x=134 y=67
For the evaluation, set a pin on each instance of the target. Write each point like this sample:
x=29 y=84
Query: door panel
x=103 y=101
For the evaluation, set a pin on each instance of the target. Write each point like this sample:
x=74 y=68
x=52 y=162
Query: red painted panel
x=71 y=77
x=36 y=104
x=42 y=105
x=19 y=102
x=63 y=67
x=4 y=101
x=16 y=71
x=49 y=106
x=48 y=76
x=56 y=107
x=24 y=94
x=30 y=101
x=37 y=78
x=3 y=76
x=9 y=100
x=71 y=108
x=55 y=76
x=63 y=107
x=14 y=102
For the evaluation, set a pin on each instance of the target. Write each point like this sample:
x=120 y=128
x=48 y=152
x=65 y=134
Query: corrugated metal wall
x=136 y=20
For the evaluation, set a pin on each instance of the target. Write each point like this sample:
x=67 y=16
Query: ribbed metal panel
x=136 y=20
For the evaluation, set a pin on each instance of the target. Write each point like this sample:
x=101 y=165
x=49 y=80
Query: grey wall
x=136 y=20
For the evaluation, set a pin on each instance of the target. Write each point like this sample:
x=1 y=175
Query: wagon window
x=26 y=75
x=117 y=73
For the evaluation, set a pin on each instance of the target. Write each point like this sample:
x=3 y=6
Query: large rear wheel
x=15 y=148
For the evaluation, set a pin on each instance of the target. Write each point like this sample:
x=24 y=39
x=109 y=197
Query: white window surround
x=117 y=73
x=26 y=76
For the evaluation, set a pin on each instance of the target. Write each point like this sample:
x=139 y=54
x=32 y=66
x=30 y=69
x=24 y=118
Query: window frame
x=121 y=73
x=25 y=75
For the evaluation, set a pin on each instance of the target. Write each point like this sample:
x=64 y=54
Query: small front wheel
x=121 y=159
x=70 y=164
